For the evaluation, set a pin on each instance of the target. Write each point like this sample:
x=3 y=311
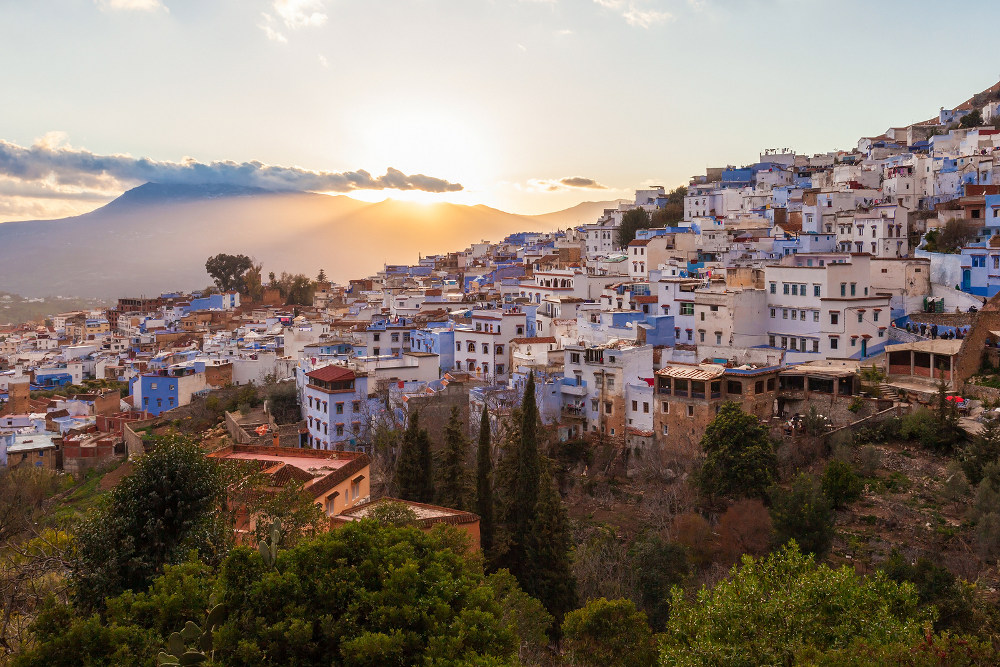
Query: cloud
x=581 y=182
x=60 y=170
x=269 y=31
x=636 y=13
x=131 y=5
x=300 y=13
x=323 y=61
x=567 y=183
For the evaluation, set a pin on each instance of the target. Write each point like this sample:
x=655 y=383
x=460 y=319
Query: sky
x=524 y=105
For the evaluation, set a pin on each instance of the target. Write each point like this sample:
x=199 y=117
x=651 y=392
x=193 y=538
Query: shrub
x=840 y=484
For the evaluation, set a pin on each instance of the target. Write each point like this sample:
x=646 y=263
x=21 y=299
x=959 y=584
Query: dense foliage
x=773 y=609
x=170 y=504
x=739 y=456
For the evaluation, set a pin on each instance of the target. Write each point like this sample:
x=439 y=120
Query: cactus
x=179 y=655
x=269 y=551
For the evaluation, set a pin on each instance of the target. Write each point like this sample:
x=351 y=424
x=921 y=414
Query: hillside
x=156 y=237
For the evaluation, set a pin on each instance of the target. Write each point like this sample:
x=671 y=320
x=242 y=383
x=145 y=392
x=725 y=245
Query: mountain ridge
x=156 y=237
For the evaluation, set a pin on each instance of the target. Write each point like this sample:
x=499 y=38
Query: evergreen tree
x=739 y=457
x=321 y=278
x=413 y=467
x=452 y=486
x=548 y=574
x=504 y=497
x=526 y=492
x=484 y=483
x=633 y=220
x=426 y=466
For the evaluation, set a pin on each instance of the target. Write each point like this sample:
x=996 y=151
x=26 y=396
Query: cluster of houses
x=782 y=279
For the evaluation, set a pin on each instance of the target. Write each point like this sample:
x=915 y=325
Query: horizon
x=531 y=118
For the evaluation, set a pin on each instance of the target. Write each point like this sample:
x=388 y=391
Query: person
x=934 y=331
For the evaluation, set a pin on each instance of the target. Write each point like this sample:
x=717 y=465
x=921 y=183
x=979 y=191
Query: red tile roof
x=332 y=373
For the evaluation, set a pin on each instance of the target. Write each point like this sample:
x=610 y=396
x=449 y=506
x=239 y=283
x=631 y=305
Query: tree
x=744 y=528
x=658 y=566
x=414 y=474
x=973 y=119
x=771 y=610
x=840 y=484
x=133 y=628
x=984 y=448
x=739 y=456
x=484 y=484
x=296 y=289
x=803 y=513
x=363 y=594
x=673 y=211
x=321 y=277
x=227 y=271
x=171 y=504
x=632 y=221
x=528 y=476
x=608 y=633
x=452 y=485
x=253 y=285
x=936 y=585
x=548 y=574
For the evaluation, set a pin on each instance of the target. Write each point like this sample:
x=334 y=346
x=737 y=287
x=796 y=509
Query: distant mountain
x=156 y=237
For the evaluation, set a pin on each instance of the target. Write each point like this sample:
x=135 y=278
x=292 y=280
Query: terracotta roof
x=536 y=339
x=332 y=373
x=644 y=298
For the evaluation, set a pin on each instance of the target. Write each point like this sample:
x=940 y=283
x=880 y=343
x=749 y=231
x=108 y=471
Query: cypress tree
x=484 y=483
x=426 y=467
x=548 y=575
x=526 y=495
x=411 y=468
x=504 y=553
x=452 y=486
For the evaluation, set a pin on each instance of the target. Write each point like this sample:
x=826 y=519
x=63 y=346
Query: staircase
x=888 y=391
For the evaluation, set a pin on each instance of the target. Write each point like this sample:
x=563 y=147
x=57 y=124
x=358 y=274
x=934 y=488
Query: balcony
x=573 y=412
x=572 y=387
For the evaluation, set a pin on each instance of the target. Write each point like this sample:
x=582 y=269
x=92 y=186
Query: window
x=834 y=342
x=152 y=386
x=611 y=382
x=666 y=430
x=758 y=387
x=635 y=406
x=574 y=357
x=687 y=308
x=486 y=368
x=395 y=338
x=795 y=314
x=853 y=286
x=861 y=318
x=815 y=346
x=772 y=313
x=784 y=288
x=645 y=407
x=376 y=351
x=356 y=406
x=340 y=408
x=795 y=290
x=458 y=346
x=376 y=337
x=665 y=408
x=593 y=405
x=854 y=341
x=784 y=313
x=703 y=316
x=499 y=349
x=340 y=429
x=607 y=407
x=701 y=336
x=843 y=289
x=770 y=341
x=774 y=288
x=733 y=387
x=499 y=369
x=690 y=411
x=834 y=317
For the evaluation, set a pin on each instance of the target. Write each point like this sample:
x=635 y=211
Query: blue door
x=966 y=280
x=864 y=348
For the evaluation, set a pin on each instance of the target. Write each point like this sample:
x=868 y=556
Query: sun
x=421 y=140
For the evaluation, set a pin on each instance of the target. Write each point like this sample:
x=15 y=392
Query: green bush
x=840 y=483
